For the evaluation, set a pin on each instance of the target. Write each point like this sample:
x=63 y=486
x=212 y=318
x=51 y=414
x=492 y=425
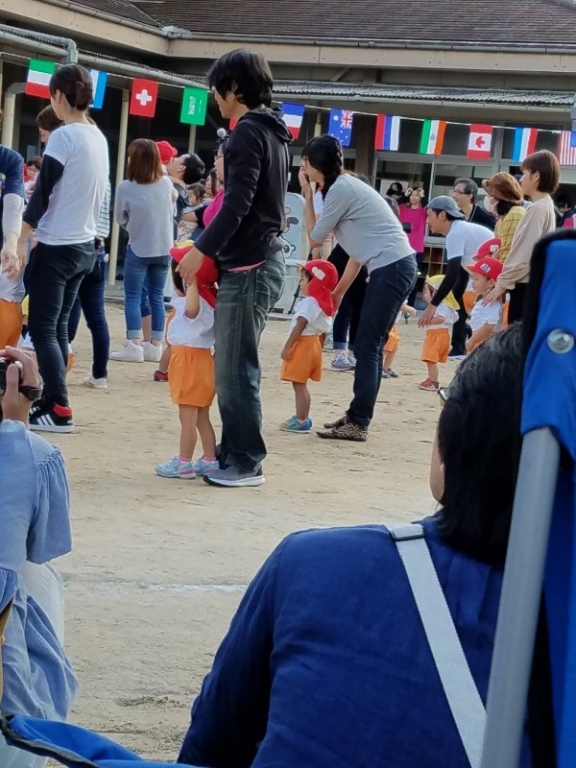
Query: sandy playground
x=159 y=565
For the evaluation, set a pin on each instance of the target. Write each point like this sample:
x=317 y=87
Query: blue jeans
x=386 y=291
x=137 y=271
x=245 y=299
x=91 y=301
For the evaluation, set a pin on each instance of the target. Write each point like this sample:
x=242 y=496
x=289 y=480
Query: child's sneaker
x=295 y=425
x=341 y=362
x=160 y=375
x=429 y=386
x=390 y=373
x=204 y=467
x=175 y=468
x=51 y=418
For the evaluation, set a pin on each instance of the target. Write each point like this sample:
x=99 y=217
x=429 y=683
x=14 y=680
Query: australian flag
x=341 y=125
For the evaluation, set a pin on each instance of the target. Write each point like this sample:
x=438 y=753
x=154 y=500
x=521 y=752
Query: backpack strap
x=463 y=698
x=3 y=621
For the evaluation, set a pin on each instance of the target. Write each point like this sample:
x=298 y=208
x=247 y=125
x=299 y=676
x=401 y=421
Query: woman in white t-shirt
x=64 y=210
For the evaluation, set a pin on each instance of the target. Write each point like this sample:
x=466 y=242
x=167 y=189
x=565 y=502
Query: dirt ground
x=159 y=565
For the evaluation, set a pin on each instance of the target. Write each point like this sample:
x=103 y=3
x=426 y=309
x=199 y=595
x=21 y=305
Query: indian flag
x=39 y=74
x=432 y=139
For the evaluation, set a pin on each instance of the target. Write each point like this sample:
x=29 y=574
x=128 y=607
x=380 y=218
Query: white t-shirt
x=464 y=239
x=75 y=203
x=12 y=288
x=490 y=314
x=318 y=321
x=449 y=315
x=196 y=332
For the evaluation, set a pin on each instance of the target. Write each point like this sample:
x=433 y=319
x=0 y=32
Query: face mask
x=490 y=204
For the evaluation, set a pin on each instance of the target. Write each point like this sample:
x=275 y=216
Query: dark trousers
x=348 y=316
x=90 y=301
x=459 y=329
x=517 y=302
x=54 y=278
x=414 y=292
x=245 y=299
x=386 y=291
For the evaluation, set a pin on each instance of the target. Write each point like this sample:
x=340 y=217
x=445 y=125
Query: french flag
x=387 y=133
x=524 y=143
x=293 y=116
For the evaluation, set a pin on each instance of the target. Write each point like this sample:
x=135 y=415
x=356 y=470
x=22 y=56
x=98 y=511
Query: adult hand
x=426 y=316
x=15 y=405
x=408 y=310
x=304 y=182
x=494 y=295
x=10 y=258
x=190 y=265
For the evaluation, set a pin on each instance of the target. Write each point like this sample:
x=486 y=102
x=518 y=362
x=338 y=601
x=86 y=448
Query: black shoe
x=51 y=418
x=233 y=477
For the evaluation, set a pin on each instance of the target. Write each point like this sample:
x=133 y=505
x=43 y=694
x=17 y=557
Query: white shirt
x=464 y=239
x=481 y=315
x=12 y=288
x=449 y=315
x=195 y=332
x=318 y=321
x=76 y=200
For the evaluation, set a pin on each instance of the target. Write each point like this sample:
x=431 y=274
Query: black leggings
x=517 y=302
x=348 y=316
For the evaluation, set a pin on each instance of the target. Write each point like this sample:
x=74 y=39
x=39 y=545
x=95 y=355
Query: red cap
x=207 y=275
x=324 y=280
x=488 y=267
x=167 y=151
x=488 y=248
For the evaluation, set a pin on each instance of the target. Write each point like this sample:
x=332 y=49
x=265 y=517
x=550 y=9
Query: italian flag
x=38 y=79
x=432 y=140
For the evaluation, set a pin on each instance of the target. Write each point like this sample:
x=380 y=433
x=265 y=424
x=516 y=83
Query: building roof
x=122 y=9
x=382 y=23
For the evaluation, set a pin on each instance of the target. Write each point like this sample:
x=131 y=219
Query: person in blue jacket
x=326 y=662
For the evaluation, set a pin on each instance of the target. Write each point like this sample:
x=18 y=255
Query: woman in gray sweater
x=145 y=208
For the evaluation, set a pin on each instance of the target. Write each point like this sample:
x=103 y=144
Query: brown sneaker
x=346 y=431
x=335 y=424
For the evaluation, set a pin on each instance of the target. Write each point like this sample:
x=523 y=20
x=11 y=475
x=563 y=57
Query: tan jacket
x=540 y=220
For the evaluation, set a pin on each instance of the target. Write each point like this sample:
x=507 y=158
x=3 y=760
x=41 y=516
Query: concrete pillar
x=192 y=139
x=120 y=167
x=9 y=113
x=364 y=131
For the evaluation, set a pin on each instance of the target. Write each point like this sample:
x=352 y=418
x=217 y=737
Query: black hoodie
x=246 y=230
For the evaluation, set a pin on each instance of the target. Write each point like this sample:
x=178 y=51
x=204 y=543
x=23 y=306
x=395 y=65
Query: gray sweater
x=146 y=211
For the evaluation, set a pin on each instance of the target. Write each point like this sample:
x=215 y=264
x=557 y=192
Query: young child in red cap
x=302 y=353
x=484 y=318
x=191 y=369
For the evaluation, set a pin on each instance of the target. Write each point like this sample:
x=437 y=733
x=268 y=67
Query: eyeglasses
x=444 y=394
x=457 y=191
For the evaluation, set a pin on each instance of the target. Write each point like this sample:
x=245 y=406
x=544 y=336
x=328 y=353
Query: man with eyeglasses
x=465 y=193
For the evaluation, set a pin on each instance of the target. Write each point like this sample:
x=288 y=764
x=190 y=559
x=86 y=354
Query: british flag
x=341 y=125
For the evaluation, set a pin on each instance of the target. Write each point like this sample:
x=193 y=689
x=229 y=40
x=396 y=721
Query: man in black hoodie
x=244 y=238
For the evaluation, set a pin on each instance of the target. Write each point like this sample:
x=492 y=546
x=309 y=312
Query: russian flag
x=293 y=116
x=387 y=133
x=99 y=80
x=524 y=143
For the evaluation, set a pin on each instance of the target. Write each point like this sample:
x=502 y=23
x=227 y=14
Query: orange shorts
x=305 y=361
x=10 y=323
x=469 y=299
x=436 y=346
x=393 y=341
x=191 y=377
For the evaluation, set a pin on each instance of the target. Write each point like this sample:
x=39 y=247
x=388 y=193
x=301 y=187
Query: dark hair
x=213 y=176
x=76 y=85
x=479 y=444
x=394 y=205
x=563 y=200
x=449 y=216
x=177 y=277
x=324 y=153
x=395 y=188
x=144 y=163
x=470 y=187
x=193 y=169
x=35 y=162
x=245 y=74
x=504 y=207
x=198 y=190
x=546 y=164
x=46 y=119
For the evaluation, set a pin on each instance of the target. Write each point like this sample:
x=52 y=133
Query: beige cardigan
x=540 y=219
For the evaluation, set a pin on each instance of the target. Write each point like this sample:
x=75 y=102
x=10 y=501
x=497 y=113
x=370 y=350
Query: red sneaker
x=160 y=376
x=429 y=386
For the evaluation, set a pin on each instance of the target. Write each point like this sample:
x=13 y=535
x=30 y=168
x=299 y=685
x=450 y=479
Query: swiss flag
x=144 y=97
x=480 y=142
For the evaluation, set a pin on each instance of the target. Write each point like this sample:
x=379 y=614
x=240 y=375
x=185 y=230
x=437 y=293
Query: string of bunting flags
x=144 y=100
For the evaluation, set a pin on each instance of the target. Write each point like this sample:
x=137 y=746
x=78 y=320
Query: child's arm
x=406 y=309
x=301 y=324
x=479 y=337
x=192 y=301
x=437 y=320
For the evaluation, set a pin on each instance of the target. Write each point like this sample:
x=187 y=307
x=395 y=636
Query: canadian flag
x=480 y=142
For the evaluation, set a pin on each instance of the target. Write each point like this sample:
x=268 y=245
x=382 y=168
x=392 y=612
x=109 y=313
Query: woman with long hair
x=145 y=208
x=504 y=199
x=364 y=224
x=413 y=216
x=64 y=211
